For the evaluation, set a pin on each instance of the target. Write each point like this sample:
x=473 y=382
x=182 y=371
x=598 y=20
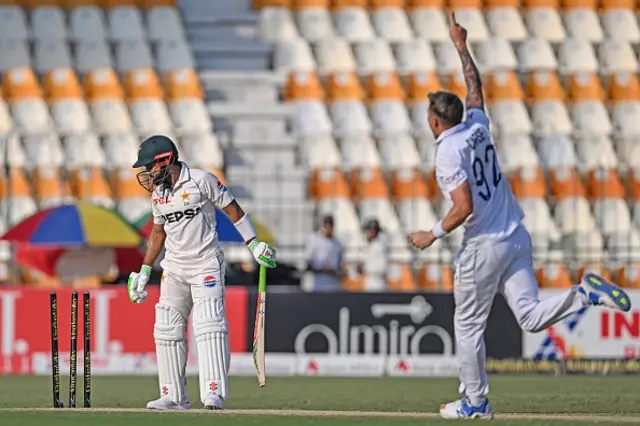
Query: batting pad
x=171 y=351
x=210 y=330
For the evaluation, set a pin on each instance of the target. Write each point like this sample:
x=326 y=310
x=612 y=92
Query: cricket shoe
x=165 y=403
x=213 y=401
x=462 y=409
x=602 y=292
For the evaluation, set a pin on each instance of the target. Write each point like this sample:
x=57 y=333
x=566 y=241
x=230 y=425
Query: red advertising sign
x=119 y=329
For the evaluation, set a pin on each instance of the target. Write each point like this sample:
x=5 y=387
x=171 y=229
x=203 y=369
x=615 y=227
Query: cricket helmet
x=157 y=154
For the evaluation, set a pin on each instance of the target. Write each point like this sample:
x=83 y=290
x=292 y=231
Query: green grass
x=578 y=395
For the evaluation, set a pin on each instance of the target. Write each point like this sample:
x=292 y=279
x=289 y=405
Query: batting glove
x=136 y=284
x=263 y=253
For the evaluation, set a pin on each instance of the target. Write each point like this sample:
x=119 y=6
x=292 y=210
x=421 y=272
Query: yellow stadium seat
x=578 y=4
x=632 y=184
x=532 y=4
x=544 y=85
x=298 y=5
x=554 y=275
x=489 y=4
x=420 y=84
x=408 y=184
x=584 y=87
x=629 y=276
x=368 y=183
x=352 y=280
x=432 y=185
x=400 y=278
x=142 y=84
x=384 y=86
x=49 y=183
x=125 y=184
x=60 y=84
x=464 y=4
x=565 y=182
x=70 y=4
x=623 y=87
x=303 y=85
x=148 y=4
x=504 y=86
x=596 y=268
x=340 y=4
x=344 y=86
x=89 y=182
x=16 y=186
x=108 y=4
x=183 y=84
x=529 y=183
x=425 y=4
x=377 y=4
x=100 y=84
x=455 y=84
x=19 y=84
x=30 y=4
x=435 y=277
x=10 y=2
x=259 y=4
x=604 y=184
x=618 y=4
x=328 y=183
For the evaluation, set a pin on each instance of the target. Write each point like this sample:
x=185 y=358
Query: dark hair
x=446 y=106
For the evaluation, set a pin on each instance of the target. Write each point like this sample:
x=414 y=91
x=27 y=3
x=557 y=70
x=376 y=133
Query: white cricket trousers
x=481 y=271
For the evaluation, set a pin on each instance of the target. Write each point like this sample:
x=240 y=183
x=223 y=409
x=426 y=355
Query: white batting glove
x=137 y=283
x=263 y=253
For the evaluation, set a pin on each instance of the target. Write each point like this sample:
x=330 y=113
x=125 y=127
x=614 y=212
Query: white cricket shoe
x=601 y=292
x=165 y=403
x=462 y=409
x=213 y=401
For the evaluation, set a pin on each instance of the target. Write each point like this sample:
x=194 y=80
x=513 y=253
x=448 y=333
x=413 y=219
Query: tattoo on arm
x=472 y=79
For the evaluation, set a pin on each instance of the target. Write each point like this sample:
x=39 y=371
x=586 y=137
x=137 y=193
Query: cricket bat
x=258 y=330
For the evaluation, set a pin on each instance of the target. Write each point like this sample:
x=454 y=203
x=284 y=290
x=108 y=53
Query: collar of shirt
x=185 y=175
x=451 y=131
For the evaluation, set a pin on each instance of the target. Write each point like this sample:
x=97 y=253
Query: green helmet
x=156 y=148
x=157 y=155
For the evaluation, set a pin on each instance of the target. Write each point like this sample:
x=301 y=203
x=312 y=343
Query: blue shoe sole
x=602 y=287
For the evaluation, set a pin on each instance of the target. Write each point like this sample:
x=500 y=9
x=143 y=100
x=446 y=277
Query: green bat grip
x=262 y=281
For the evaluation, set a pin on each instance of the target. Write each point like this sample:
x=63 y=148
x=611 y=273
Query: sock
x=476 y=401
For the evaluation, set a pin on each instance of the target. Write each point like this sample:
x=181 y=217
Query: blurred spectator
x=376 y=258
x=324 y=259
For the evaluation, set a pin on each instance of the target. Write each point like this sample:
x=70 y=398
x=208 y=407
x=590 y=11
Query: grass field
x=301 y=401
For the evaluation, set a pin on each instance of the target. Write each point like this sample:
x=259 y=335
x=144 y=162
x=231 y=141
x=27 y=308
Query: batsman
x=184 y=202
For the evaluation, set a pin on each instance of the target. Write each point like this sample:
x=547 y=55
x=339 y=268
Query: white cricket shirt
x=189 y=217
x=466 y=152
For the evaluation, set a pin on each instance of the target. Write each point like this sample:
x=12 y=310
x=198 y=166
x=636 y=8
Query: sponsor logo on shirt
x=209 y=281
x=455 y=178
x=221 y=187
x=178 y=216
x=161 y=200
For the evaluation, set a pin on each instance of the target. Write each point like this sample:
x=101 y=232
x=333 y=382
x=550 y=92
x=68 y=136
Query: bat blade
x=258 y=330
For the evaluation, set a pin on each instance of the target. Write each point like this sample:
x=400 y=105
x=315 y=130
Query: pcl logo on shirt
x=209 y=281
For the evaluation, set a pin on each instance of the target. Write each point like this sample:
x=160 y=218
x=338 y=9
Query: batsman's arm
x=155 y=244
x=239 y=218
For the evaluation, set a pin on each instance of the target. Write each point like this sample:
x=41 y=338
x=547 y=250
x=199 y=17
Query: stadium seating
x=83 y=81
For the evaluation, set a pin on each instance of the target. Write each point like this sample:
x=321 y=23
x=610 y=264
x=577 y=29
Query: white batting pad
x=210 y=330
x=171 y=352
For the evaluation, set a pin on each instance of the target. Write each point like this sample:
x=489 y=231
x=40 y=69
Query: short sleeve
x=214 y=190
x=450 y=170
x=477 y=116
x=158 y=219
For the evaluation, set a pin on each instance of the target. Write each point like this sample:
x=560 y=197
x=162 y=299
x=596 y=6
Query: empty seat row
x=89 y=24
x=393 y=24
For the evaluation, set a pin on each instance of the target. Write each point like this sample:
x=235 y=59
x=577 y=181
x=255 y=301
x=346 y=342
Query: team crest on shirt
x=209 y=281
x=185 y=198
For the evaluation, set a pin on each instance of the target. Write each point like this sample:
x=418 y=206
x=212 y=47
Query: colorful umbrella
x=227 y=233
x=78 y=262
x=72 y=225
